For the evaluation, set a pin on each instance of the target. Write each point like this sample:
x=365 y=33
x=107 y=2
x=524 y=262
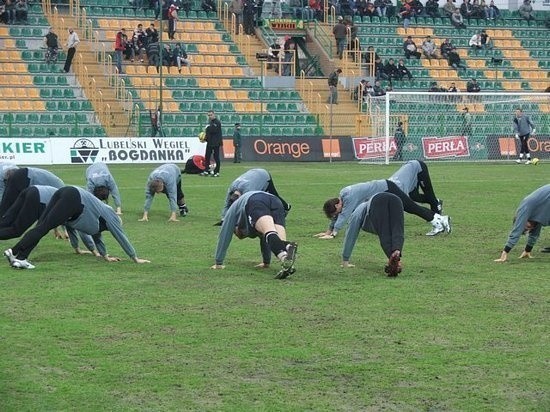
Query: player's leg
x=25 y=211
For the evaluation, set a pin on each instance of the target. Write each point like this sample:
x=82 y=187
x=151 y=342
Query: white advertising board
x=80 y=150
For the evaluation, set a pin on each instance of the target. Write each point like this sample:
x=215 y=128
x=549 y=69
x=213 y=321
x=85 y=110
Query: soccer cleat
x=518 y=161
x=22 y=264
x=528 y=162
x=205 y=173
x=9 y=255
x=439 y=206
x=183 y=210
x=446 y=223
x=283 y=274
x=290 y=258
x=436 y=229
x=393 y=268
x=215 y=175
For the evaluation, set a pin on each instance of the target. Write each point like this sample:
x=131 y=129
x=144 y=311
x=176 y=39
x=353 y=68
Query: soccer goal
x=452 y=126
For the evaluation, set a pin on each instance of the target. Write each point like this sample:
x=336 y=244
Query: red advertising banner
x=450 y=146
x=372 y=147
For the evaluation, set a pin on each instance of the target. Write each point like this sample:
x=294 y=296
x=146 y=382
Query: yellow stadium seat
x=172 y=107
x=8 y=93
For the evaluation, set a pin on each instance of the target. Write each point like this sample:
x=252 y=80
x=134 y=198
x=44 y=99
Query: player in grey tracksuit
x=382 y=215
x=78 y=210
x=531 y=215
x=340 y=209
x=4 y=166
x=413 y=176
x=165 y=179
x=20 y=179
x=523 y=127
x=253 y=179
x=101 y=183
x=257 y=214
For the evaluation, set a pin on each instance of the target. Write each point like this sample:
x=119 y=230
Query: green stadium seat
x=39 y=131
x=45 y=118
x=33 y=118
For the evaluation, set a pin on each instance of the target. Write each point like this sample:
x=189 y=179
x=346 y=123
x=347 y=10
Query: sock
x=277 y=246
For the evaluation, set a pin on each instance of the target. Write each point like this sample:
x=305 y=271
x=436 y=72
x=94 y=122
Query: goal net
x=452 y=126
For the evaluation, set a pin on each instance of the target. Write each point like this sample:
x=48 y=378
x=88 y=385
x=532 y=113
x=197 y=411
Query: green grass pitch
x=455 y=331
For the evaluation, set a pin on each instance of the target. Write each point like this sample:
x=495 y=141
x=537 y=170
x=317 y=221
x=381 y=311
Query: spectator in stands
x=180 y=57
x=410 y=49
x=362 y=7
x=381 y=7
x=417 y=7
x=120 y=47
x=454 y=59
x=472 y=86
x=370 y=58
x=452 y=88
x=360 y=90
x=152 y=35
x=477 y=10
x=475 y=41
x=378 y=90
x=429 y=48
x=236 y=7
x=259 y=11
x=172 y=20
x=457 y=20
x=317 y=8
x=209 y=5
x=402 y=70
x=51 y=42
x=391 y=70
x=72 y=42
x=493 y=11
x=214 y=140
x=156 y=122
x=371 y=10
x=21 y=11
x=155 y=5
x=379 y=72
x=186 y=5
x=406 y=13
x=274 y=55
x=434 y=88
x=445 y=48
x=466 y=122
x=340 y=33
x=449 y=8
x=432 y=8
x=486 y=41
x=165 y=6
x=526 y=10
x=466 y=9
x=249 y=12
x=333 y=86
x=369 y=91
x=289 y=48
x=138 y=43
x=346 y=8
x=9 y=11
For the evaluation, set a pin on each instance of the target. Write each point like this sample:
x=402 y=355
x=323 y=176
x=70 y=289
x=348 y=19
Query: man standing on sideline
x=411 y=177
x=165 y=179
x=4 y=167
x=72 y=42
x=333 y=86
x=214 y=140
x=381 y=215
x=120 y=46
x=258 y=214
x=18 y=180
x=77 y=210
x=531 y=215
x=253 y=179
x=237 y=143
x=400 y=138
x=101 y=183
x=523 y=128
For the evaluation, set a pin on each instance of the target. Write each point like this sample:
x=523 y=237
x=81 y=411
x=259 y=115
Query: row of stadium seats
x=51 y=130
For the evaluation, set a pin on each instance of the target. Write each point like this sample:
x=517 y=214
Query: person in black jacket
x=213 y=143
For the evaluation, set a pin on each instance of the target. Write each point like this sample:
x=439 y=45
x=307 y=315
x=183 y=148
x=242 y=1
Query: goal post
x=451 y=126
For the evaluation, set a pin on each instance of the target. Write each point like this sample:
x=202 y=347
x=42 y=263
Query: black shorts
x=264 y=204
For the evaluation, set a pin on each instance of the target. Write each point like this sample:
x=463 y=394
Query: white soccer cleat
x=518 y=161
x=528 y=162
x=446 y=223
x=436 y=229
x=22 y=264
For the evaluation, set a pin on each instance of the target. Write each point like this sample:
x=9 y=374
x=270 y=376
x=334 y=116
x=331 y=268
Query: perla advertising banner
x=89 y=150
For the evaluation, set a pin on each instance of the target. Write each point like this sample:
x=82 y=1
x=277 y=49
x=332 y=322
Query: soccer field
x=454 y=331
